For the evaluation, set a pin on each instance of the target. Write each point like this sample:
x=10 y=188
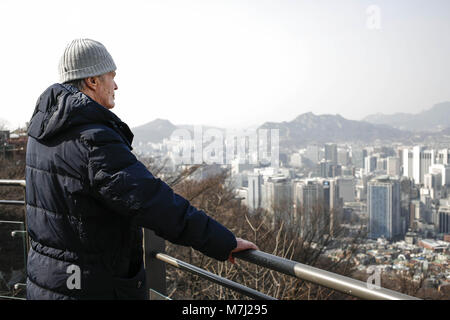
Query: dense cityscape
x=398 y=195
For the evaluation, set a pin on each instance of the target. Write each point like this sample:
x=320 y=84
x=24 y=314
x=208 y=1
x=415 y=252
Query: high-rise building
x=331 y=201
x=335 y=170
x=324 y=169
x=308 y=195
x=254 y=196
x=417 y=210
x=342 y=157
x=278 y=196
x=381 y=164
x=444 y=220
x=444 y=170
x=422 y=160
x=370 y=164
x=407 y=163
x=405 y=200
x=443 y=156
x=326 y=194
x=432 y=181
x=384 y=208
x=309 y=203
x=393 y=166
x=331 y=153
x=358 y=157
x=346 y=187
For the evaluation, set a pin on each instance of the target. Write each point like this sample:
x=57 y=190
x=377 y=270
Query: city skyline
x=397 y=216
x=237 y=64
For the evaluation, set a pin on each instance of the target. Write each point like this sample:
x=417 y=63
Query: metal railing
x=22 y=184
x=301 y=271
x=19 y=231
x=155 y=261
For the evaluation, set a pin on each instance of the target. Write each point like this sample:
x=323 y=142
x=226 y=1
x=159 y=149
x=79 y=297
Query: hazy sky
x=236 y=63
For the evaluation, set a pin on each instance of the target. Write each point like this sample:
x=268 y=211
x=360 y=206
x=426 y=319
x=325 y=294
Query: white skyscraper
x=407 y=163
x=443 y=156
x=422 y=160
x=370 y=164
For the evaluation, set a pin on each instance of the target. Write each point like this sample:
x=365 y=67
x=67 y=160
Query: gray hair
x=78 y=83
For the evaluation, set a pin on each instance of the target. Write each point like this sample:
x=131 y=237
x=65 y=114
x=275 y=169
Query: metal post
x=25 y=226
x=155 y=269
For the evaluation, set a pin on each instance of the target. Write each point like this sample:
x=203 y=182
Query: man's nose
x=115 y=86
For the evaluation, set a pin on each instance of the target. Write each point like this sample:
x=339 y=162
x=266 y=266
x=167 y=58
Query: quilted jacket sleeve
x=125 y=186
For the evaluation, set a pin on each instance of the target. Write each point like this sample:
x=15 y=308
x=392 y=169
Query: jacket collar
x=62 y=106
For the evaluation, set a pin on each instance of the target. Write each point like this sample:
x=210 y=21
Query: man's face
x=106 y=88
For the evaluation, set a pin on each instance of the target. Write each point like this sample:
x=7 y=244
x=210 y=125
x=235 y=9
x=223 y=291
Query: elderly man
x=88 y=197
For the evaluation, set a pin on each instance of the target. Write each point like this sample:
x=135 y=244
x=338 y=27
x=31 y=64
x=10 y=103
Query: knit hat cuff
x=103 y=67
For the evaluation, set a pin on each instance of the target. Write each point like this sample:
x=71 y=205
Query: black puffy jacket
x=88 y=198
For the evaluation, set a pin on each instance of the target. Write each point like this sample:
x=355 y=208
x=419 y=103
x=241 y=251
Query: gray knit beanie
x=84 y=58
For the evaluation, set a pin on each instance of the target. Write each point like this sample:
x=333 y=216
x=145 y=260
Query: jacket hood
x=61 y=107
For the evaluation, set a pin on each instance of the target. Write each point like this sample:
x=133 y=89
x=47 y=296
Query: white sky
x=235 y=63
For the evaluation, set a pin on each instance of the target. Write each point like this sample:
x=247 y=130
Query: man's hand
x=242 y=245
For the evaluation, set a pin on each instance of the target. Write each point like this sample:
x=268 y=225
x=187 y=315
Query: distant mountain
x=310 y=128
x=160 y=129
x=154 y=131
x=434 y=119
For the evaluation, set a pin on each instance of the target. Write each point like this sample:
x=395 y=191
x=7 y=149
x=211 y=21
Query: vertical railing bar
x=155 y=269
x=27 y=238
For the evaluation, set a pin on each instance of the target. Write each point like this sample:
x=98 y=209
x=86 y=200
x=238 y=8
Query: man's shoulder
x=99 y=133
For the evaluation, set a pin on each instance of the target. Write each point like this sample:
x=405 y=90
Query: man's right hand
x=241 y=246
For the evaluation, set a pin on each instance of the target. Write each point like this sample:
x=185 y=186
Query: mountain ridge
x=434 y=119
x=311 y=128
x=305 y=128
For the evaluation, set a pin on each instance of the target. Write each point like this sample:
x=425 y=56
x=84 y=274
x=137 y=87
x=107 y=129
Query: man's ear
x=91 y=83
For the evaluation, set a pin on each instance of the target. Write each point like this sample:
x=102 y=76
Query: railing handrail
x=17 y=183
x=322 y=277
x=12 y=202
